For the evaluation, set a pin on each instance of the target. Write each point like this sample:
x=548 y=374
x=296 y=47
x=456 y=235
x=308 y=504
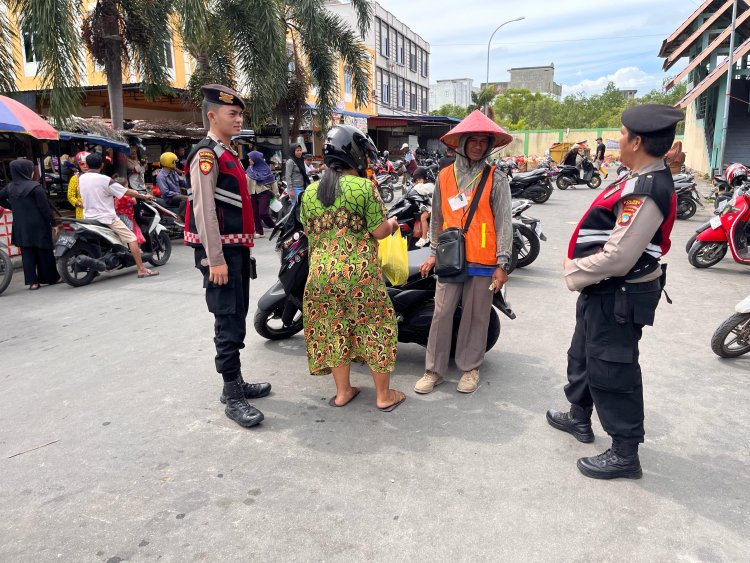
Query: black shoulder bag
x=450 y=253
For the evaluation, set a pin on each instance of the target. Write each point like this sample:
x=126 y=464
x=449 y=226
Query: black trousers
x=229 y=303
x=261 y=211
x=38 y=265
x=178 y=200
x=603 y=368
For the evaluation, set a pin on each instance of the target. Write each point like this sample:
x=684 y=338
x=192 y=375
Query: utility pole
x=487 y=82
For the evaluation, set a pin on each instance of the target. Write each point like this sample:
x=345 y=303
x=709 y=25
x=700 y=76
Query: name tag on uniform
x=458 y=202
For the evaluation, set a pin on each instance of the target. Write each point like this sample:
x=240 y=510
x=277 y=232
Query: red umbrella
x=17 y=118
x=477 y=122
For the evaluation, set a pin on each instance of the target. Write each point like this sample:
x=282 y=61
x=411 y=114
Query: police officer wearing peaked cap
x=220 y=226
x=614 y=262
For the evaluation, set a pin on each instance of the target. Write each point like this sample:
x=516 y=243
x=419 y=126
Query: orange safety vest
x=481 y=240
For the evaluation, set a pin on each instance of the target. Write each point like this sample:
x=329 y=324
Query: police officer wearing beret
x=614 y=262
x=219 y=225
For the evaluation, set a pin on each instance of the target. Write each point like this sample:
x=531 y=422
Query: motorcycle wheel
x=563 y=182
x=6 y=271
x=530 y=249
x=690 y=242
x=67 y=270
x=595 y=182
x=541 y=198
x=686 y=208
x=160 y=255
x=707 y=254
x=386 y=193
x=268 y=324
x=732 y=338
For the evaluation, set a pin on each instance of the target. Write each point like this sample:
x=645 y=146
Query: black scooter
x=279 y=314
x=571 y=176
x=534 y=185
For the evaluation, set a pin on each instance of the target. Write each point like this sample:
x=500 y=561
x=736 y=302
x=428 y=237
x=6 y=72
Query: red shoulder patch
x=206 y=160
x=630 y=207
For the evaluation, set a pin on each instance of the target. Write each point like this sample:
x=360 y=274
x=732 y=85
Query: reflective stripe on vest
x=481 y=239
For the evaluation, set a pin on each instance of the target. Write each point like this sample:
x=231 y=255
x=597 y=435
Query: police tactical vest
x=481 y=239
x=599 y=221
x=233 y=207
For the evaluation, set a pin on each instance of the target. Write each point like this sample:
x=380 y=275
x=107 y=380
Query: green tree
x=482 y=98
x=543 y=113
x=511 y=107
x=450 y=110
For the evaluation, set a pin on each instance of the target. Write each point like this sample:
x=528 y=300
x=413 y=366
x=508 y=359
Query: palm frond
x=195 y=19
x=8 y=61
x=365 y=11
x=147 y=39
x=57 y=44
x=345 y=42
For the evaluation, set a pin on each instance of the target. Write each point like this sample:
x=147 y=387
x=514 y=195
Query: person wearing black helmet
x=347 y=312
x=614 y=262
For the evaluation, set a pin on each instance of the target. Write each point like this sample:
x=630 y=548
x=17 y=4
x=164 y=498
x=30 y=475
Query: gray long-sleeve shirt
x=501 y=210
x=292 y=174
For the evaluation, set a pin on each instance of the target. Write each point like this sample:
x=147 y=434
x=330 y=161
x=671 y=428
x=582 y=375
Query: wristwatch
x=505 y=265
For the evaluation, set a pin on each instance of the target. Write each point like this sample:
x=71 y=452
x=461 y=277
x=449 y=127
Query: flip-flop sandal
x=392 y=407
x=332 y=400
x=148 y=274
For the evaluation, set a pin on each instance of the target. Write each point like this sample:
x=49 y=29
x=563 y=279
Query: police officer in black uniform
x=614 y=261
x=219 y=225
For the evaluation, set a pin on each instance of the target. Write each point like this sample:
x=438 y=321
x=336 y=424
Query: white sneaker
x=422 y=242
x=469 y=382
x=427 y=382
x=259 y=236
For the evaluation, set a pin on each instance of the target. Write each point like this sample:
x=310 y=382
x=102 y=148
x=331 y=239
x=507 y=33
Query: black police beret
x=218 y=94
x=650 y=118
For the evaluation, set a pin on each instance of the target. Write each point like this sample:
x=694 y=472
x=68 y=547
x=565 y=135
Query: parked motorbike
x=170 y=220
x=279 y=314
x=728 y=230
x=688 y=199
x=385 y=187
x=87 y=248
x=408 y=211
x=527 y=232
x=534 y=185
x=571 y=176
x=732 y=338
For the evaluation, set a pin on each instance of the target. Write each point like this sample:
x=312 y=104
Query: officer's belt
x=612 y=285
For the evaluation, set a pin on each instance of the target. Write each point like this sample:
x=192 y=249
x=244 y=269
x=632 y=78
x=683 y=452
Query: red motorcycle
x=729 y=229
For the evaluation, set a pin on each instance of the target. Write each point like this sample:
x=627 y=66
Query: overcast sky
x=590 y=42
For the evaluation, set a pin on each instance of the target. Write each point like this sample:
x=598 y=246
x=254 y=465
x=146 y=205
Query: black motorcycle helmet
x=348 y=145
x=420 y=173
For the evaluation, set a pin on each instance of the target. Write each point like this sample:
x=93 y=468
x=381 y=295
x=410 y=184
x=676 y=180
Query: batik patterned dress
x=348 y=315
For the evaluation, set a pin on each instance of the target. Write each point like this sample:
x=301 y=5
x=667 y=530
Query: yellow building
x=95 y=102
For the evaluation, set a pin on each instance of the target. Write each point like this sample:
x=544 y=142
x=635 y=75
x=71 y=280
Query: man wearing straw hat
x=488 y=243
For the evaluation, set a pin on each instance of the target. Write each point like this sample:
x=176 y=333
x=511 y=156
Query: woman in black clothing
x=32 y=224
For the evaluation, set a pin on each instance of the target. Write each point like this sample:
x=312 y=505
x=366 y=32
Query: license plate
x=715 y=222
x=66 y=240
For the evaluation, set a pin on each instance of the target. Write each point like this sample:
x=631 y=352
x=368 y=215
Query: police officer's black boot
x=250 y=390
x=619 y=461
x=576 y=422
x=237 y=407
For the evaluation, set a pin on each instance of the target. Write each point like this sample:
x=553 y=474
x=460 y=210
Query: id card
x=458 y=202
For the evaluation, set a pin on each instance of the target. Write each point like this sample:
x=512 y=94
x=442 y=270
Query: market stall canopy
x=17 y=118
x=95 y=140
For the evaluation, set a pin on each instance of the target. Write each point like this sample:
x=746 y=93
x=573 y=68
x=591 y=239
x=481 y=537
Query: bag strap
x=477 y=197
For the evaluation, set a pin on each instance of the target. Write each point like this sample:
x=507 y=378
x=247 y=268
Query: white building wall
x=456 y=92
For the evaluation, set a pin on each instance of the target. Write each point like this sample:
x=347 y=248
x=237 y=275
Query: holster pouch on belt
x=621 y=305
x=663 y=282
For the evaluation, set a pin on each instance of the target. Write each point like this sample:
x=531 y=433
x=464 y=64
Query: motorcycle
x=383 y=183
x=170 y=220
x=534 y=185
x=87 y=248
x=732 y=338
x=571 y=176
x=688 y=199
x=279 y=313
x=527 y=232
x=408 y=211
x=728 y=230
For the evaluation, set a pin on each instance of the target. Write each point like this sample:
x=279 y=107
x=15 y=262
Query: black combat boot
x=237 y=407
x=576 y=422
x=250 y=390
x=619 y=461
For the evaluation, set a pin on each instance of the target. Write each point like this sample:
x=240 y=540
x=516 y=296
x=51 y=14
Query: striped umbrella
x=17 y=118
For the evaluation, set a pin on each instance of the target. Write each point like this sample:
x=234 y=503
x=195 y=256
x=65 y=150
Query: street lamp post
x=487 y=81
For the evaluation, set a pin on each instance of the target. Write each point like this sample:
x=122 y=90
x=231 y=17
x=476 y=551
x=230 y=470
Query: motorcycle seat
x=87 y=222
x=524 y=175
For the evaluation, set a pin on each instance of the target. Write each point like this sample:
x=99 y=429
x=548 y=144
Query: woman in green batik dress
x=348 y=315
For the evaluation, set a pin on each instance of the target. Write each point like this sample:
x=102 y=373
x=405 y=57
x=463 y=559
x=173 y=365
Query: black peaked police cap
x=648 y=119
x=218 y=94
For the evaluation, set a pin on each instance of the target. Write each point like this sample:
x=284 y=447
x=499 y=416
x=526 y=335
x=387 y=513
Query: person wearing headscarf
x=675 y=158
x=296 y=174
x=489 y=242
x=261 y=182
x=32 y=224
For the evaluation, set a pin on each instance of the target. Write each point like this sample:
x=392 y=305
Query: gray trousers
x=476 y=300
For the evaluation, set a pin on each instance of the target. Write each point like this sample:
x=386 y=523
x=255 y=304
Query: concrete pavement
x=142 y=464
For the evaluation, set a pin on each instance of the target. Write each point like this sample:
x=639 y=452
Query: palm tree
x=481 y=99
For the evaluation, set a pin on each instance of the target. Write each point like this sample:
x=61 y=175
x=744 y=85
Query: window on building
x=379 y=83
x=412 y=96
x=402 y=91
x=385 y=93
x=168 y=56
x=385 y=39
x=28 y=48
x=412 y=57
x=347 y=80
x=400 y=49
x=425 y=54
x=425 y=104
